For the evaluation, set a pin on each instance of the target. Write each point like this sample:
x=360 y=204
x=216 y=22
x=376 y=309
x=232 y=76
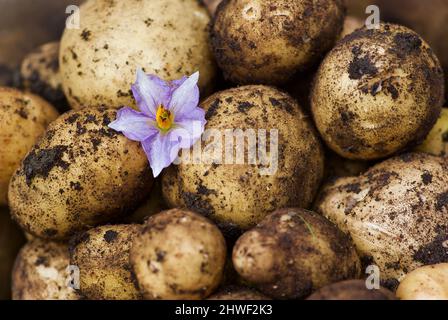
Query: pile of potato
x=361 y=179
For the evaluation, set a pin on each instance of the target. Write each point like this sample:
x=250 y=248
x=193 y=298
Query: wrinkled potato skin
x=168 y=38
x=23 y=118
x=425 y=283
x=40 y=272
x=293 y=244
x=40 y=74
x=395 y=212
x=268 y=41
x=80 y=174
x=102 y=255
x=179 y=255
x=238 y=194
x=436 y=143
x=370 y=82
x=238 y=293
x=351 y=290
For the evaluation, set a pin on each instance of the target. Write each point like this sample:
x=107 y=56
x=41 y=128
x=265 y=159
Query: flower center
x=164 y=118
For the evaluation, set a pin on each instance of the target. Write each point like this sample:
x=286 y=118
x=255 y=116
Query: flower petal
x=133 y=124
x=150 y=92
x=161 y=151
x=186 y=97
x=193 y=127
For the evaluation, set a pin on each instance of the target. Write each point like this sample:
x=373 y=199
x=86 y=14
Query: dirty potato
x=259 y=153
x=23 y=118
x=369 y=83
x=102 y=256
x=178 y=255
x=268 y=41
x=292 y=244
x=80 y=174
x=395 y=213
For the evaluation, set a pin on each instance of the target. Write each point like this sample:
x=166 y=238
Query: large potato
x=395 y=212
x=80 y=174
x=23 y=118
x=372 y=81
x=294 y=252
x=168 y=38
x=268 y=41
x=178 y=255
x=102 y=256
x=41 y=272
x=241 y=190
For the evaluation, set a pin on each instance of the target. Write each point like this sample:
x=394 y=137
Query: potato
x=237 y=293
x=11 y=240
x=239 y=192
x=395 y=212
x=436 y=143
x=179 y=255
x=351 y=290
x=168 y=38
x=425 y=283
x=102 y=256
x=268 y=41
x=23 y=118
x=41 y=272
x=372 y=81
x=40 y=74
x=294 y=252
x=80 y=174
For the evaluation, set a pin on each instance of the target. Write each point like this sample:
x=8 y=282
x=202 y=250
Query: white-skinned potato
x=23 y=118
x=102 y=256
x=178 y=255
x=168 y=38
x=293 y=252
x=80 y=174
x=395 y=212
x=371 y=81
x=425 y=283
x=41 y=272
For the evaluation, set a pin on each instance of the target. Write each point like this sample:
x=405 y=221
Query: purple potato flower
x=169 y=118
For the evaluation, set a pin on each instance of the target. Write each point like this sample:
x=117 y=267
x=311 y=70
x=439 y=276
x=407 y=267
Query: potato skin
x=179 y=255
x=372 y=80
x=79 y=175
x=23 y=118
x=268 y=41
x=395 y=212
x=102 y=255
x=425 y=283
x=292 y=244
x=40 y=272
x=351 y=290
x=239 y=195
x=237 y=293
x=168 y=38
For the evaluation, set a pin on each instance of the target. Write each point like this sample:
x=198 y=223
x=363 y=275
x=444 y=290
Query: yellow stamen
x=164 y=118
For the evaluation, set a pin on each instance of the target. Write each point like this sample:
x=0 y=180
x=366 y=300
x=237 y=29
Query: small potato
x=102 y=256
x=80 y=174
x=23 y=118
x=167 y=38
x=276 y=159
x=294 y=252
x=425 y=283
x=377 y=92
x=351 y=290
x=268 y=41
x=40 y=74
x=395 y=212
x=179 y=255
x=237 y=293
x=41 y=272
x=436 y=143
